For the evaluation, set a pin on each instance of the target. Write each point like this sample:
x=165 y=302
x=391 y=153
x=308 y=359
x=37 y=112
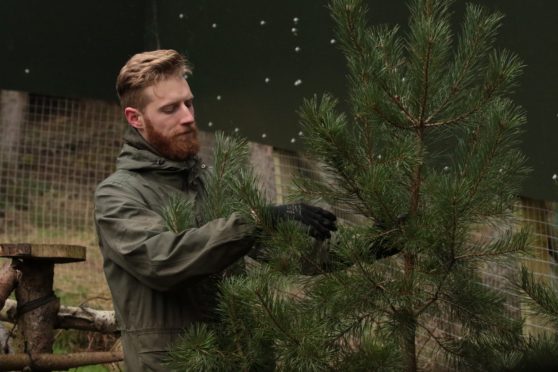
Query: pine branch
x=435 y=297
x=315 y=121
x=489 y=94
x=542 y=298
x=376 y=285
x=499 y=254
x=178 y=213
x=496 y=147
x=436 y=339
x=345 y=19
x=278 y=325
x=487 y=314
x=397 y=101
x=197 y=351
x=230 y=163
x=474 y=47
x=354 y=325
x=505 y=68
x=239 y=331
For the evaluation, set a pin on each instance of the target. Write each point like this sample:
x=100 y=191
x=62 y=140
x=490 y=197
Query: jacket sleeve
x=135 y=238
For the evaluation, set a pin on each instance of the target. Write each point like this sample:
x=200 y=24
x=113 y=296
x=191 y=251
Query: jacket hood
x=138 y=155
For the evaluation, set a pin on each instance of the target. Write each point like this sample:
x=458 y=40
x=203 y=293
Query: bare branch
x=70 y=317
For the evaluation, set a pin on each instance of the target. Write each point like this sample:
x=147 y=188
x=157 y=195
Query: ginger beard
x=179 y=146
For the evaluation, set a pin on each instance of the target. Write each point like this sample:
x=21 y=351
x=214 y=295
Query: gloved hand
x=319 y=221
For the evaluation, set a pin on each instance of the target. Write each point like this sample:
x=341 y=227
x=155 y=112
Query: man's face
x=168 y=119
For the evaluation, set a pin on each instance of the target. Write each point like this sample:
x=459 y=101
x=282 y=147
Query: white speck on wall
x=297 y=82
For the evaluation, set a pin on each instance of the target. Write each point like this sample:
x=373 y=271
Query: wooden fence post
x=37 y=310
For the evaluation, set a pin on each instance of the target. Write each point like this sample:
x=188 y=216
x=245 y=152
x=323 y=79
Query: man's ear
x=134 y=117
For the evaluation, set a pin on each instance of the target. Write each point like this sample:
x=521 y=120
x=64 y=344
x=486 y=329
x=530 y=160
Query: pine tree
x=426 y=153
x=433 y=135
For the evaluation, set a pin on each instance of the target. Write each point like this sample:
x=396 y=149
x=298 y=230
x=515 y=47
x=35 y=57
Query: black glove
x=320 y=221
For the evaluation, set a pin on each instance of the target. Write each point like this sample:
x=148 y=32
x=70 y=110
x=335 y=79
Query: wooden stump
x=37 y=305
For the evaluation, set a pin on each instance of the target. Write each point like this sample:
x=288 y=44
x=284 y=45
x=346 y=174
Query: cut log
x=10 y=362
x=71 y=317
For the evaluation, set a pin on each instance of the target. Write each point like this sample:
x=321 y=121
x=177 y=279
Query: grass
x=96 y=368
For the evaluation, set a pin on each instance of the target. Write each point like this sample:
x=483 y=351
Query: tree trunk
x=410 y=348
x=409 y=336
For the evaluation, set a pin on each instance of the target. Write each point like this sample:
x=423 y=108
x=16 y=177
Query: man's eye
x=189 y=103
x=169 y=109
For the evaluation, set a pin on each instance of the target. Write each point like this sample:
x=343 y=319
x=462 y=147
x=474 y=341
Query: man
x=154 y=274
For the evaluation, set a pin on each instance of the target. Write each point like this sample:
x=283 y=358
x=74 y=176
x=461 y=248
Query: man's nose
x=187 y=114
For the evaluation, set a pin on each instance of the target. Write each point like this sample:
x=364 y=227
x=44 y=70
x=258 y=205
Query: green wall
x=67 y=48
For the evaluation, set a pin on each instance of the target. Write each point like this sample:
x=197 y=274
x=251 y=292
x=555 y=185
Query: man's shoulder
x=120 y=177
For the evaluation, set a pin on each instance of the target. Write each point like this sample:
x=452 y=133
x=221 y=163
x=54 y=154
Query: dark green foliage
x=178 y=213
x=426 y=154
x=229 y=187
x=432 y=134
x=542 y=298
x=538 y=353
x=230 y=162
x=198 y=351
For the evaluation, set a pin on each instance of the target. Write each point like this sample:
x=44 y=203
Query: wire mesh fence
x=54 y=151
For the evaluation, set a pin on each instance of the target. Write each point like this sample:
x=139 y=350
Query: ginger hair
x=146 y=69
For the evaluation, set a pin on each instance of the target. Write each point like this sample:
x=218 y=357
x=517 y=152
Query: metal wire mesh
x=54 y=151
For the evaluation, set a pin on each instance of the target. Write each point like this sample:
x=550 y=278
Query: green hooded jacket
x=158 y=278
